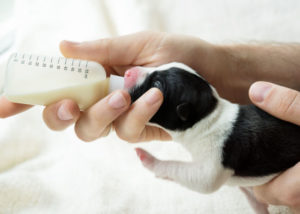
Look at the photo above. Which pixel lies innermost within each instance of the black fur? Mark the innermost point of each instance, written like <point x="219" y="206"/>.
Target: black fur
<point x="261" y="144"/>
<point x="187" y="98"/>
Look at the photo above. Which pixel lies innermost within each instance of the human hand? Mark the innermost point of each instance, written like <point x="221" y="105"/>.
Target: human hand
<point x="283" y="103"/>
<point x="117" y="55"/>
<point x="8" y="108"/>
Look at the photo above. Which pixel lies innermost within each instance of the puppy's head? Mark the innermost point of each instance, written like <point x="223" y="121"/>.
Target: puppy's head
<point x="188" y="98"/>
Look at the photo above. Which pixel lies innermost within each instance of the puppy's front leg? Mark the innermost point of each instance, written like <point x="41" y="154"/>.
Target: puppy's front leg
<point x="201" y="177"/>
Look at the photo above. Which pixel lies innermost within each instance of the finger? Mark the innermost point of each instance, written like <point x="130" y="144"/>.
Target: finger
<point x="283" y="190"/>
<point x="60" y="115"/>
<point x="8" y="108"/>
<point x="255" y="204"/>
<point x="118" y="51"/>
<point x="95" y="122"/>
<point x="131" y="126"/>
<point x="279" y="101"/>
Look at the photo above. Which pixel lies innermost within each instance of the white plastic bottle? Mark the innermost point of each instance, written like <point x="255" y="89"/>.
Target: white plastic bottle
<point x="42" y="80"/>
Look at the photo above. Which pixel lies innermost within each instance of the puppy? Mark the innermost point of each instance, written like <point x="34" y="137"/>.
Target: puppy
<point x="229" y="143"/>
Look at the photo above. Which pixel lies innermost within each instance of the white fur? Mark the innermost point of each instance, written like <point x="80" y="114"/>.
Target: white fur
<point x="175" y="65"/>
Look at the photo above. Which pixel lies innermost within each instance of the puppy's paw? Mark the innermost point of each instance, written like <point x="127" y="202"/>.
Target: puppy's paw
<point x="158" y="167"/>
<point x="147" y="159"/>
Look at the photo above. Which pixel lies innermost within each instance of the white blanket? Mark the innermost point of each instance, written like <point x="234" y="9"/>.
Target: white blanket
<point x="53" y="172"/>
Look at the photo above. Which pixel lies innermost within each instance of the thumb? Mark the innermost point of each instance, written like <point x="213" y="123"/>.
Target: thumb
<point x="92" y="50"/>
<point x="279" y="101"/>
<point x="116" y="51"/>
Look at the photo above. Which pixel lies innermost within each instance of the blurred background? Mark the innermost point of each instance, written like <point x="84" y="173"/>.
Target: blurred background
<point x="42" y="171"/>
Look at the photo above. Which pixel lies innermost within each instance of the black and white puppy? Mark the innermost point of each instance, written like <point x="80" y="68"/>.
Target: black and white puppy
<point x="229" y="143"/>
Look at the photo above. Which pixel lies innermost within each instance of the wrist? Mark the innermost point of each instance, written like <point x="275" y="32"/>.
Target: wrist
<point x="276" y="63"/>
<point x="230" y="77"/>
<point x="210" y="61"/>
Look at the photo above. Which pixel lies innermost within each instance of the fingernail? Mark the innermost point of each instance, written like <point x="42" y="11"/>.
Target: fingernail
<point x="152" y="96"/>
<point x="117" y="101"/>
<point x="64" y="114"/>
<point x="259" y="91"/>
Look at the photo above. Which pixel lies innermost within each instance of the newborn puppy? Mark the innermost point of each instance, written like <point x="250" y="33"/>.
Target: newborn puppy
<point x="229" y="143"/>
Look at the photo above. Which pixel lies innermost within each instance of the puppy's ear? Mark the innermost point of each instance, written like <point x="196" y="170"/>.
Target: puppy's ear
<point x="183" y="111"/>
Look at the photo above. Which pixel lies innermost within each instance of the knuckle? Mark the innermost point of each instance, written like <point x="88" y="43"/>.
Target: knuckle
<point x="105" y="132"/>
<point x="82" y="135"/>
<point x="88" y="135"/>
<point x="107" y="45"/>
<point x="289" y="102"/>
<point x="128" y="136"/>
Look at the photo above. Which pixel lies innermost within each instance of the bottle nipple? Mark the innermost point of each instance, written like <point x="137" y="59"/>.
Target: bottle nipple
<point x="115" y="83"/>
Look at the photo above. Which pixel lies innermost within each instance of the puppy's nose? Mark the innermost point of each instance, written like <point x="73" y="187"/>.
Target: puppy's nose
<point x="133" y="76"/>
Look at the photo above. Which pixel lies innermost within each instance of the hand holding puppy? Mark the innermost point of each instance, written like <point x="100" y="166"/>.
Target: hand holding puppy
<point x="283" y="103"/>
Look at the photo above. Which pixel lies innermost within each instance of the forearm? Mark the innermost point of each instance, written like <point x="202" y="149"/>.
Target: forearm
<point x="241" y="65"/>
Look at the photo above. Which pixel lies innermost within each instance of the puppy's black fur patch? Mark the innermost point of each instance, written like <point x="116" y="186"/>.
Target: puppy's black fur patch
<point x="187" y="98"/>
<point x="261" y="144"/>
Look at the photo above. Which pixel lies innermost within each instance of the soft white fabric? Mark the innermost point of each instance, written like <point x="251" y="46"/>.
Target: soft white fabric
<point x="53" y="172"/>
